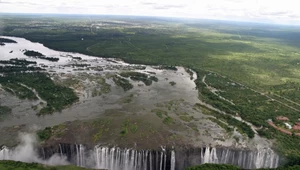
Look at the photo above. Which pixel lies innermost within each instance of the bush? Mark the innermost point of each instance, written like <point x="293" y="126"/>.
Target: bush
<point x="45" y="134"/>
<point x="213" y="167"/>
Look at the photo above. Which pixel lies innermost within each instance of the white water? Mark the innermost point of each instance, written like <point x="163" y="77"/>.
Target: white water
<point x="26" y="152"/>
<point x="173" y="161"/>
<point x="262" y="158"/>
<point x="115" y="158"/>
<point x="130" y="159"/>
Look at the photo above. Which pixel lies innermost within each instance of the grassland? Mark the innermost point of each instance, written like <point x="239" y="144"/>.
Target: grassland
<point x="246" y="70"/>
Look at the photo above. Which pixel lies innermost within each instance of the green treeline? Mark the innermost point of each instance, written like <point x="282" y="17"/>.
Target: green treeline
<point x="16" y="61"/>
<point x="8" y="69"/>
<point x="16" y="165"/>
<point x="124" y="83"/>
<point x="5" y="40"/>
<point x="213" y="167"/>
<point x="232" y="167"/>
<point x="56" y="96"/>
<point x="39" y="55"/>
<point x="31" y="53"/>
<point x="136" y="76"/>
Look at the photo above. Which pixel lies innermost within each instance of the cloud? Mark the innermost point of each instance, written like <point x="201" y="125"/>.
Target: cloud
<point x="18" y="2"/>
<point x="162" y="5"/>
<point x="148" y="3"/>
<point x="5" y="2"/>
<point x="167" y="6"/>
<point x="247" y="10"/>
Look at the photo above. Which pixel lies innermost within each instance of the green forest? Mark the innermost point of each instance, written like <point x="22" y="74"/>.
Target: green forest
<point x="56" y="96"/>
<point x="253" y="67"/>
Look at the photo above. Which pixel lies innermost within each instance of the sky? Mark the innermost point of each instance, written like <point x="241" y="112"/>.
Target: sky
<point x="271" y="11"/>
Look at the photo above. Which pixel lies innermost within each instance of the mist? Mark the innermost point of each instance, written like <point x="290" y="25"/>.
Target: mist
<point x="27" y="151"/>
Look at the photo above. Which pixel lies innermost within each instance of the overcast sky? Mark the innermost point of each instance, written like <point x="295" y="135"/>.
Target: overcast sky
<point x="276" y="11"/>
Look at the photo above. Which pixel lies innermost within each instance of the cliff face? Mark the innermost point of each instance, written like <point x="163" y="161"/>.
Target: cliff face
<point x="164" y="158"/>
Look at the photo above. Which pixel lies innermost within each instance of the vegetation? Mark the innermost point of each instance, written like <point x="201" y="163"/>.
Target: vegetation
<point x="128" y="126"/>
<point x="232" y="167"/>
<point x="16" y="61"/>
<point x="39" y="55"/>
<point x="213" y="167"/>
<point x="160" y="113"/>
<point x="153" y="78"/>
<point x="80" y="65"/>
<point x="124" y="83"/>
<point x="9" y="69"/>
<point x="128" y="99"/>
<point x="137" y="76"/>
<point x="241" y="126"/>
<point x="186" y="118"/>
<point x="56" y="96"/>
<point x="166" y="67"/>
<point x="19" y="90"/>
<point x="190" y="72"/>
<point x="15" y="165"/>
<point x="254" y="68"/>
<point x="45" y="134"/>
<point x="172" y="83"/>
<point x="18" y="65"/>
<point x="222" y="125"/>
<point x="31" y="53"/>
<point x="168" y="120"/>
<point x="5" y="40"/>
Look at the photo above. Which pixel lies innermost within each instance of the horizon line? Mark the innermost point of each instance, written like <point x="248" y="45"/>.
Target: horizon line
<point x="154" y="16"/>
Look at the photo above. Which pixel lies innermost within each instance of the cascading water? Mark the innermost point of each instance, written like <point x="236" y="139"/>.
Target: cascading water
<point x="130" y="159"/>
<point x="246" y="159"/>
<point x="114" y="158"/>
<point x="4" y="153"/>
<point x="60" y="149"/>
<point x="173" y="160"/>
<point x="80" y="155"/>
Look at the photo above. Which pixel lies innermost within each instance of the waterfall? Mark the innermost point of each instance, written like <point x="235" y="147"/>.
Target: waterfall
<point x="173" y="160"/>
<point x="61" y="152"/>
<point x="80" y="157"/>
<point x="206" y="156"/>
<point x="246" y="159"/>
<point x="130" y="159"/>
<point x="115" y="158"/>
<point x="4" y="153"/>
